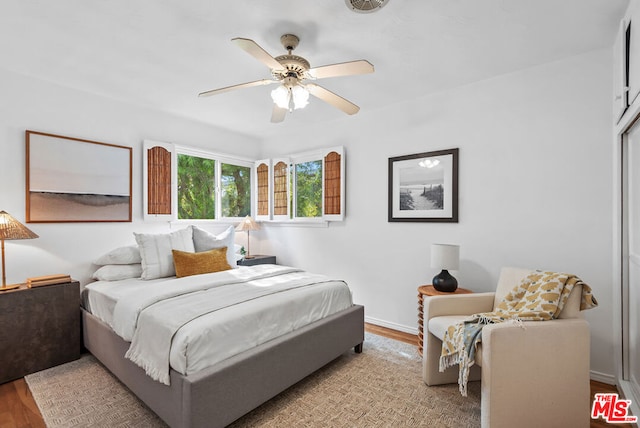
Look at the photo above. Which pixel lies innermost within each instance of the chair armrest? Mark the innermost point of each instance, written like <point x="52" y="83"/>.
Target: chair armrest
<point x="457" y="304"/>
<point x="543" y="338"/>
<point x="547" y="359"/>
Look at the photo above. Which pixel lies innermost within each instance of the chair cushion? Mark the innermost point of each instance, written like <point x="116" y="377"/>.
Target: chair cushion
<point x="439" y="325"/>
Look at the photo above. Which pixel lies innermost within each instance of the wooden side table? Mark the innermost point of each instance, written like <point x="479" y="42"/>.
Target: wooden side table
<point x="428" y="290"/>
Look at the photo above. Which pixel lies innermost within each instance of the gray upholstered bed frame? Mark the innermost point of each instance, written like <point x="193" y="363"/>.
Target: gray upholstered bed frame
<point x="222" y="393"/>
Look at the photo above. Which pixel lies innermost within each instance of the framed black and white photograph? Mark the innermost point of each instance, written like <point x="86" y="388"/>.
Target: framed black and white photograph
<point x="423" y="187"/>
<point x="74" y="180"/>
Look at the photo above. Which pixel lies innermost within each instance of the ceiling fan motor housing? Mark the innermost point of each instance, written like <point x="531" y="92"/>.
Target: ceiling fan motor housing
<point x="293" y="65"/>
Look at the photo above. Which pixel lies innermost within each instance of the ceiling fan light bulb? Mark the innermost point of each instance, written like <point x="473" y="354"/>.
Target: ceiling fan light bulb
<point x="280" y="97"/>
<point x="300" y="97"/>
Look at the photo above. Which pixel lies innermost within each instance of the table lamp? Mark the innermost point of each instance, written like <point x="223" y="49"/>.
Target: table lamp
<point x="248" y="224"/>
<point x="445" y="257"/>
<point x="10" y="229"/>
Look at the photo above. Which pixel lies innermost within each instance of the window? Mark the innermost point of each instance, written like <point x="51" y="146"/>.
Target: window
<point x="196" y="188"/>
<point x="236" y="190"/>
<point x="203" y="185"/>
<point x="181" y="183"/>
<point x="306" y="187"/>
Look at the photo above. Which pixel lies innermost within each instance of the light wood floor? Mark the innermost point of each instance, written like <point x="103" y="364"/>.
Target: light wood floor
<point x="19" y="410"/>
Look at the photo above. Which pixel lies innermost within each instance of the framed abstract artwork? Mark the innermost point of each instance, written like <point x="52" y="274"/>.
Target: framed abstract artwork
<point x="423" y="187"/>
<point x="75" y="180"/>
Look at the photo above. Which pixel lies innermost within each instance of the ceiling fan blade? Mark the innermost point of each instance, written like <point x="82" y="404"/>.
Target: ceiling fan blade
<point x="278" y="114"/>
<point x="253" y="49"/>
<point x="329" y="97"/>
<point x="342" y="69"/>
<point x="234" y="87"/>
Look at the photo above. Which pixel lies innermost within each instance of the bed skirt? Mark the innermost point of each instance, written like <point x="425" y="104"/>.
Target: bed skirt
<point x="222" y="393"/>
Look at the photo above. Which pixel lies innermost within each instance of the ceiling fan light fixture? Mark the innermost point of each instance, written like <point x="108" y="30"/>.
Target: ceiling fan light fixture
<point x="291" y="98"/>
<point x="365" y="6"/>
<point x="280" y="96"/>
<point x="300" y="96"/>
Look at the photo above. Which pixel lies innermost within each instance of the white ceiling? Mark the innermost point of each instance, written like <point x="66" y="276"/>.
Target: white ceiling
<point x="162" y="53"/>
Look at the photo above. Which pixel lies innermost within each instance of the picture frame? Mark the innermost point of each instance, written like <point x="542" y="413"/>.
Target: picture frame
<point x="75" y="180"/>
<point x="423" y="187"/>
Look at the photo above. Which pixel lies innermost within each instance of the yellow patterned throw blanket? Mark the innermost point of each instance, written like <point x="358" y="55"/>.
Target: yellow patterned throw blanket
<point x="540" y="296"/>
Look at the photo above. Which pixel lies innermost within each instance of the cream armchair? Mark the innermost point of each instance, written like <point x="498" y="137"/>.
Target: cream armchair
<point x="537" y="376"/>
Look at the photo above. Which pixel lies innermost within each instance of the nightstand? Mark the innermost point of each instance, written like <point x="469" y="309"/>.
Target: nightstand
<point x="258" y="260"/>
<point x="428" y="290"/>
<point x="39" y="328"/>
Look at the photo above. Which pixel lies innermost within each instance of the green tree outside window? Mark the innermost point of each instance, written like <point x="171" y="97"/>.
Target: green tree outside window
<point x="236" y="190"/>
<point x="308" y="176"/>
<point x="196" y="187"/>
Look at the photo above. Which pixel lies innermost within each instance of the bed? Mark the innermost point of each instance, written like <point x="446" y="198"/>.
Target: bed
<point x="284" y="325"/>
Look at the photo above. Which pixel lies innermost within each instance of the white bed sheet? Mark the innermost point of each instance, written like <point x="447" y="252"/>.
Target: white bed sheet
<point x="219" y="335"/>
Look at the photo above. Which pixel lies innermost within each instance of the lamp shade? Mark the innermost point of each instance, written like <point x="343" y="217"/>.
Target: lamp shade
<point x="445" y="256"/>
<point x="247" y="224"/>
<point x="11" y="229"/>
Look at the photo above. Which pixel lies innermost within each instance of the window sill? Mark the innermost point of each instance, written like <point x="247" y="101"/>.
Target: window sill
<point x="295" y="223"/>
<point x="225" y="221"/>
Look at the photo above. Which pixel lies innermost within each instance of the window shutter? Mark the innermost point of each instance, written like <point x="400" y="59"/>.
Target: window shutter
<point x="263" y="190"/>
<point x="280" y="188"/>
<point x="333" y="185"/>
<point x="157" y="187"/>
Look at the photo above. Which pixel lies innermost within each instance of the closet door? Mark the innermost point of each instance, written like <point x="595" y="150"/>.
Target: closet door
<point x="631" y="294"/>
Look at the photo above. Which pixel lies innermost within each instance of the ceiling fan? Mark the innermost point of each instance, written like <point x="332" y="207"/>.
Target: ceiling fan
<point x="293" y="72"/>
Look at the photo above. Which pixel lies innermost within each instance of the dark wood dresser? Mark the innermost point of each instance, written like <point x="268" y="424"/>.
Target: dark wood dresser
<point x="39" y="328"/>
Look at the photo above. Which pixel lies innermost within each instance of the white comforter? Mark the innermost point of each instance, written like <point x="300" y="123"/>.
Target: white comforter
<point x="193" y="322"/>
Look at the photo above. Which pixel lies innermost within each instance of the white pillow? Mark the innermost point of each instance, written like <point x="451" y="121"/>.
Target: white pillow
<point x="120" y="256"/>
<point x="205" y="241"/>
<point x="118" y="272"/>
<point x="155" y="250"/>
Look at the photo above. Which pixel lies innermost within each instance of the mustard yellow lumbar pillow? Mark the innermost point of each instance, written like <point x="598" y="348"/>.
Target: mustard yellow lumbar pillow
<point x="188" y="264"/>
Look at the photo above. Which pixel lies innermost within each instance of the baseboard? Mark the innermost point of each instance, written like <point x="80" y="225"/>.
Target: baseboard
<point x="626" y="390"/>
<point x="393" y="326"/>
<point x="602" y="377"/>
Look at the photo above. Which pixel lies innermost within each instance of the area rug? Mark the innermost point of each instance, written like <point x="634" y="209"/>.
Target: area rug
<point x="382" y="387"/>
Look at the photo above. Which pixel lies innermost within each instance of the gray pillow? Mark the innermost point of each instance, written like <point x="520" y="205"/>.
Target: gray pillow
<point x="205" y="241"/>
<point x="155" y="250"/>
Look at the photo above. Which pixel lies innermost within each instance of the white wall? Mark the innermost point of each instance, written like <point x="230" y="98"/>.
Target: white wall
<point x="40" y="106"/>
<point x="535" y="191"/>
<point x="535" y="185"/>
